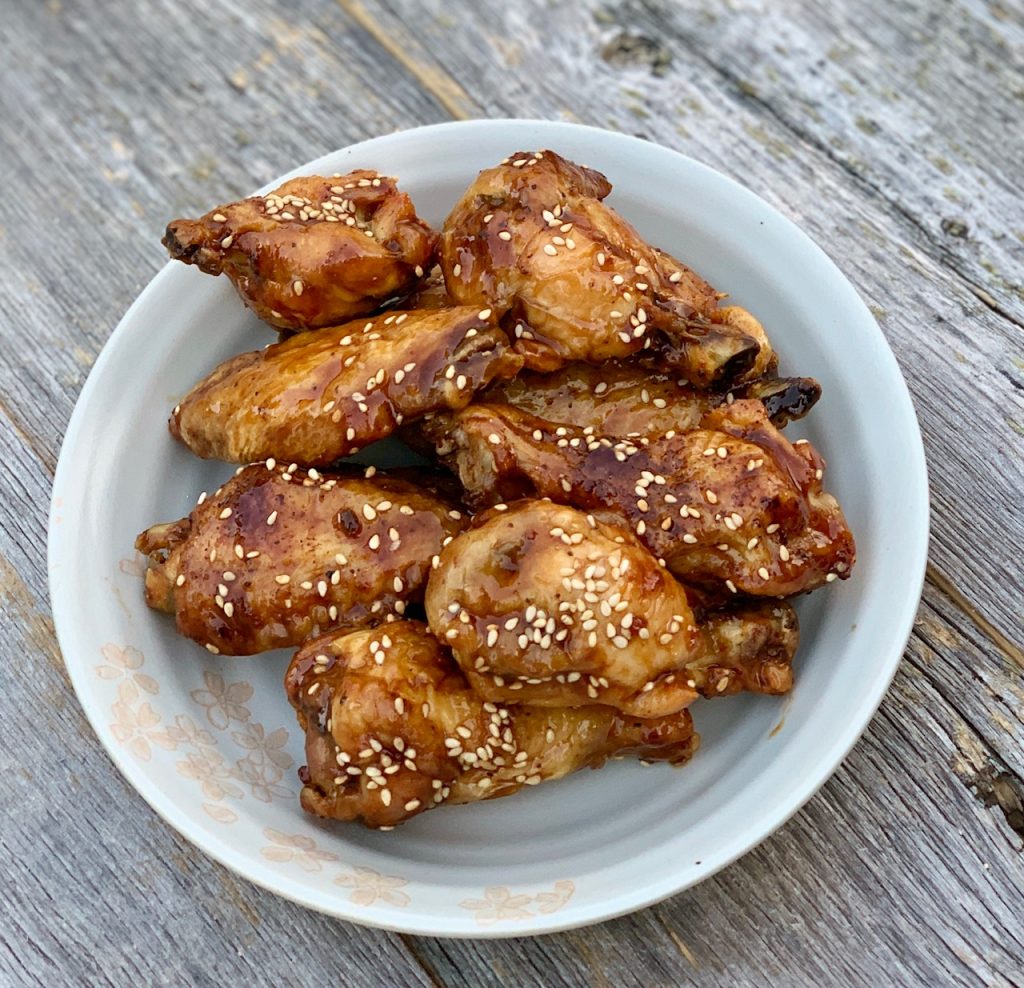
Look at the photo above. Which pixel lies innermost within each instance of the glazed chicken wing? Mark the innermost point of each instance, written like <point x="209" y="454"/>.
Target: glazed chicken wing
<point x="532" y="239"/>
<point x="625" y="398"/>
<point x="393" y="729"/>
<point x="314" y="252"/>
<point x="278" y="553"/>
<point x="544" y="605"/>
<point x="732" y="503"/>
<point x="318" y="397"/>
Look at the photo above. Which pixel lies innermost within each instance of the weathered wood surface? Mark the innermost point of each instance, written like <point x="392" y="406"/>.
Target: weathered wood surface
<point x="893" y="133"/>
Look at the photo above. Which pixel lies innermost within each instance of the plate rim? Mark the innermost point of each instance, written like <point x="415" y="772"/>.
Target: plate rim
<point x="626" y="901"/>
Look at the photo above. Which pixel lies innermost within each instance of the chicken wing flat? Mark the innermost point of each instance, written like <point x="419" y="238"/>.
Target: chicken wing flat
<point x="393" y="729"/>
<point x="731" y="505"/>
<point x="314" y="252"/>
<point x="532" y="239"/>
<point x="542" y="604"/>
<point x="318" y="397"/>
<point x="279" y="554"/>
<point x="626" y="398"/>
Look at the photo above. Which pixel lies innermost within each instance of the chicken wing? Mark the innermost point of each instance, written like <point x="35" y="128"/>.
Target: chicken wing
<point x="278" y="554"/>
<point x="532" y="239"/>
<point x="393" y="729"/>
<point x="626" y="398"/>
<point x="731" y="504"/>
<point x="544" y="605"/>
<point x="314" y="252"/>
<point x="318" y="397"/>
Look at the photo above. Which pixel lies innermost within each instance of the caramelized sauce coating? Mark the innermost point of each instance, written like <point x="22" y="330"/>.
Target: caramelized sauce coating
<point x="318" y="397"/>
<point x="544" y="605"/>
<point x="393" y="729"/>
<point x="314" y="252"/>
<point x="279" y="554"/>
<point x="533" y="239"/>
<point x="629" y="399"/>
<point x="732" y="505"/>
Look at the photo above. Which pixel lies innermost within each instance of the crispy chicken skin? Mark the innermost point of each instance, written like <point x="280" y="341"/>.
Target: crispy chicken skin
<point x="318" y="397"/>
<point x="314" y="252"/>
<point x="732" y="505"/>
<point x="626" y="398"/>
<point x="279" y="554"/>
<point x="575" y="281"/>
<point x="393" y="729"/>
<point x="544" y="605"/>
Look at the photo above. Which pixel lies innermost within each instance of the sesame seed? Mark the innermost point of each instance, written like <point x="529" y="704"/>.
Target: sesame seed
<point x="297" y="287"/>
<point x="412" y="805"/>
<point x="272" y="517"/>
<point x="226" y="513"/>
<point x="783" y="553"/>
<point x="763" y="573"/>
<point x="505" y="235"/>
<point x="711" y="496"/>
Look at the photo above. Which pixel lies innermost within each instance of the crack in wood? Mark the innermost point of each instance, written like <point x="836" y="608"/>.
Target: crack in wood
<point x="1002" y="642"/>
<point x="442" y="86"/>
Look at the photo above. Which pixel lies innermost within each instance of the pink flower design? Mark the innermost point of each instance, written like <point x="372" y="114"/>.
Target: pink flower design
<point x="550" y="902"/>
<point x="368" y="886"/>
<point x="185" y="731"/>
<point x="134" y="726"/>
<point x="265" y="747"/>
<point x="263" y="779"/>
<point x="220" y="813"/>
<point x="222" y="702"/>
<point x="123" y="663"/>
<point x="295" y="847"/>
<point x="210" y="770"/>
<point x="498" y="904"/>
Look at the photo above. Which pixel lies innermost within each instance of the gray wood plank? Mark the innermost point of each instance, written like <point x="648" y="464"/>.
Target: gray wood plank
<point x="870" y="127"/>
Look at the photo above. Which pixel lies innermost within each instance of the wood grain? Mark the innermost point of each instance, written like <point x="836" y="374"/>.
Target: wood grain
<point x="891" y="133"/>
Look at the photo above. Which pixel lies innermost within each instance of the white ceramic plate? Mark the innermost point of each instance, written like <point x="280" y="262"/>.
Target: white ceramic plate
<point x="212" y="744"/>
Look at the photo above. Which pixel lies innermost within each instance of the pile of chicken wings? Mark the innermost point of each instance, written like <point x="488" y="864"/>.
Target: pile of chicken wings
<point x="610" y="527"/>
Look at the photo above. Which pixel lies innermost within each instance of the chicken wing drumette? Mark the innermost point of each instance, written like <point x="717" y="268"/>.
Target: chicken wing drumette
<point x="393" y="729"/>
<point x="544" y="605"/>
<point x="732" y="505"/>
<point x="318" y="397"/>
<point x="626" y="398"/>
<point x="314" y="252"/>
<point x="532" y="239"/>
<point x="278" y="554"/>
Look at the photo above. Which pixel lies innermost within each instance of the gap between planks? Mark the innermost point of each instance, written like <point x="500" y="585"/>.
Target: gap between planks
<point x="433" y="79"/>
<point x="1002" y="642"/>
